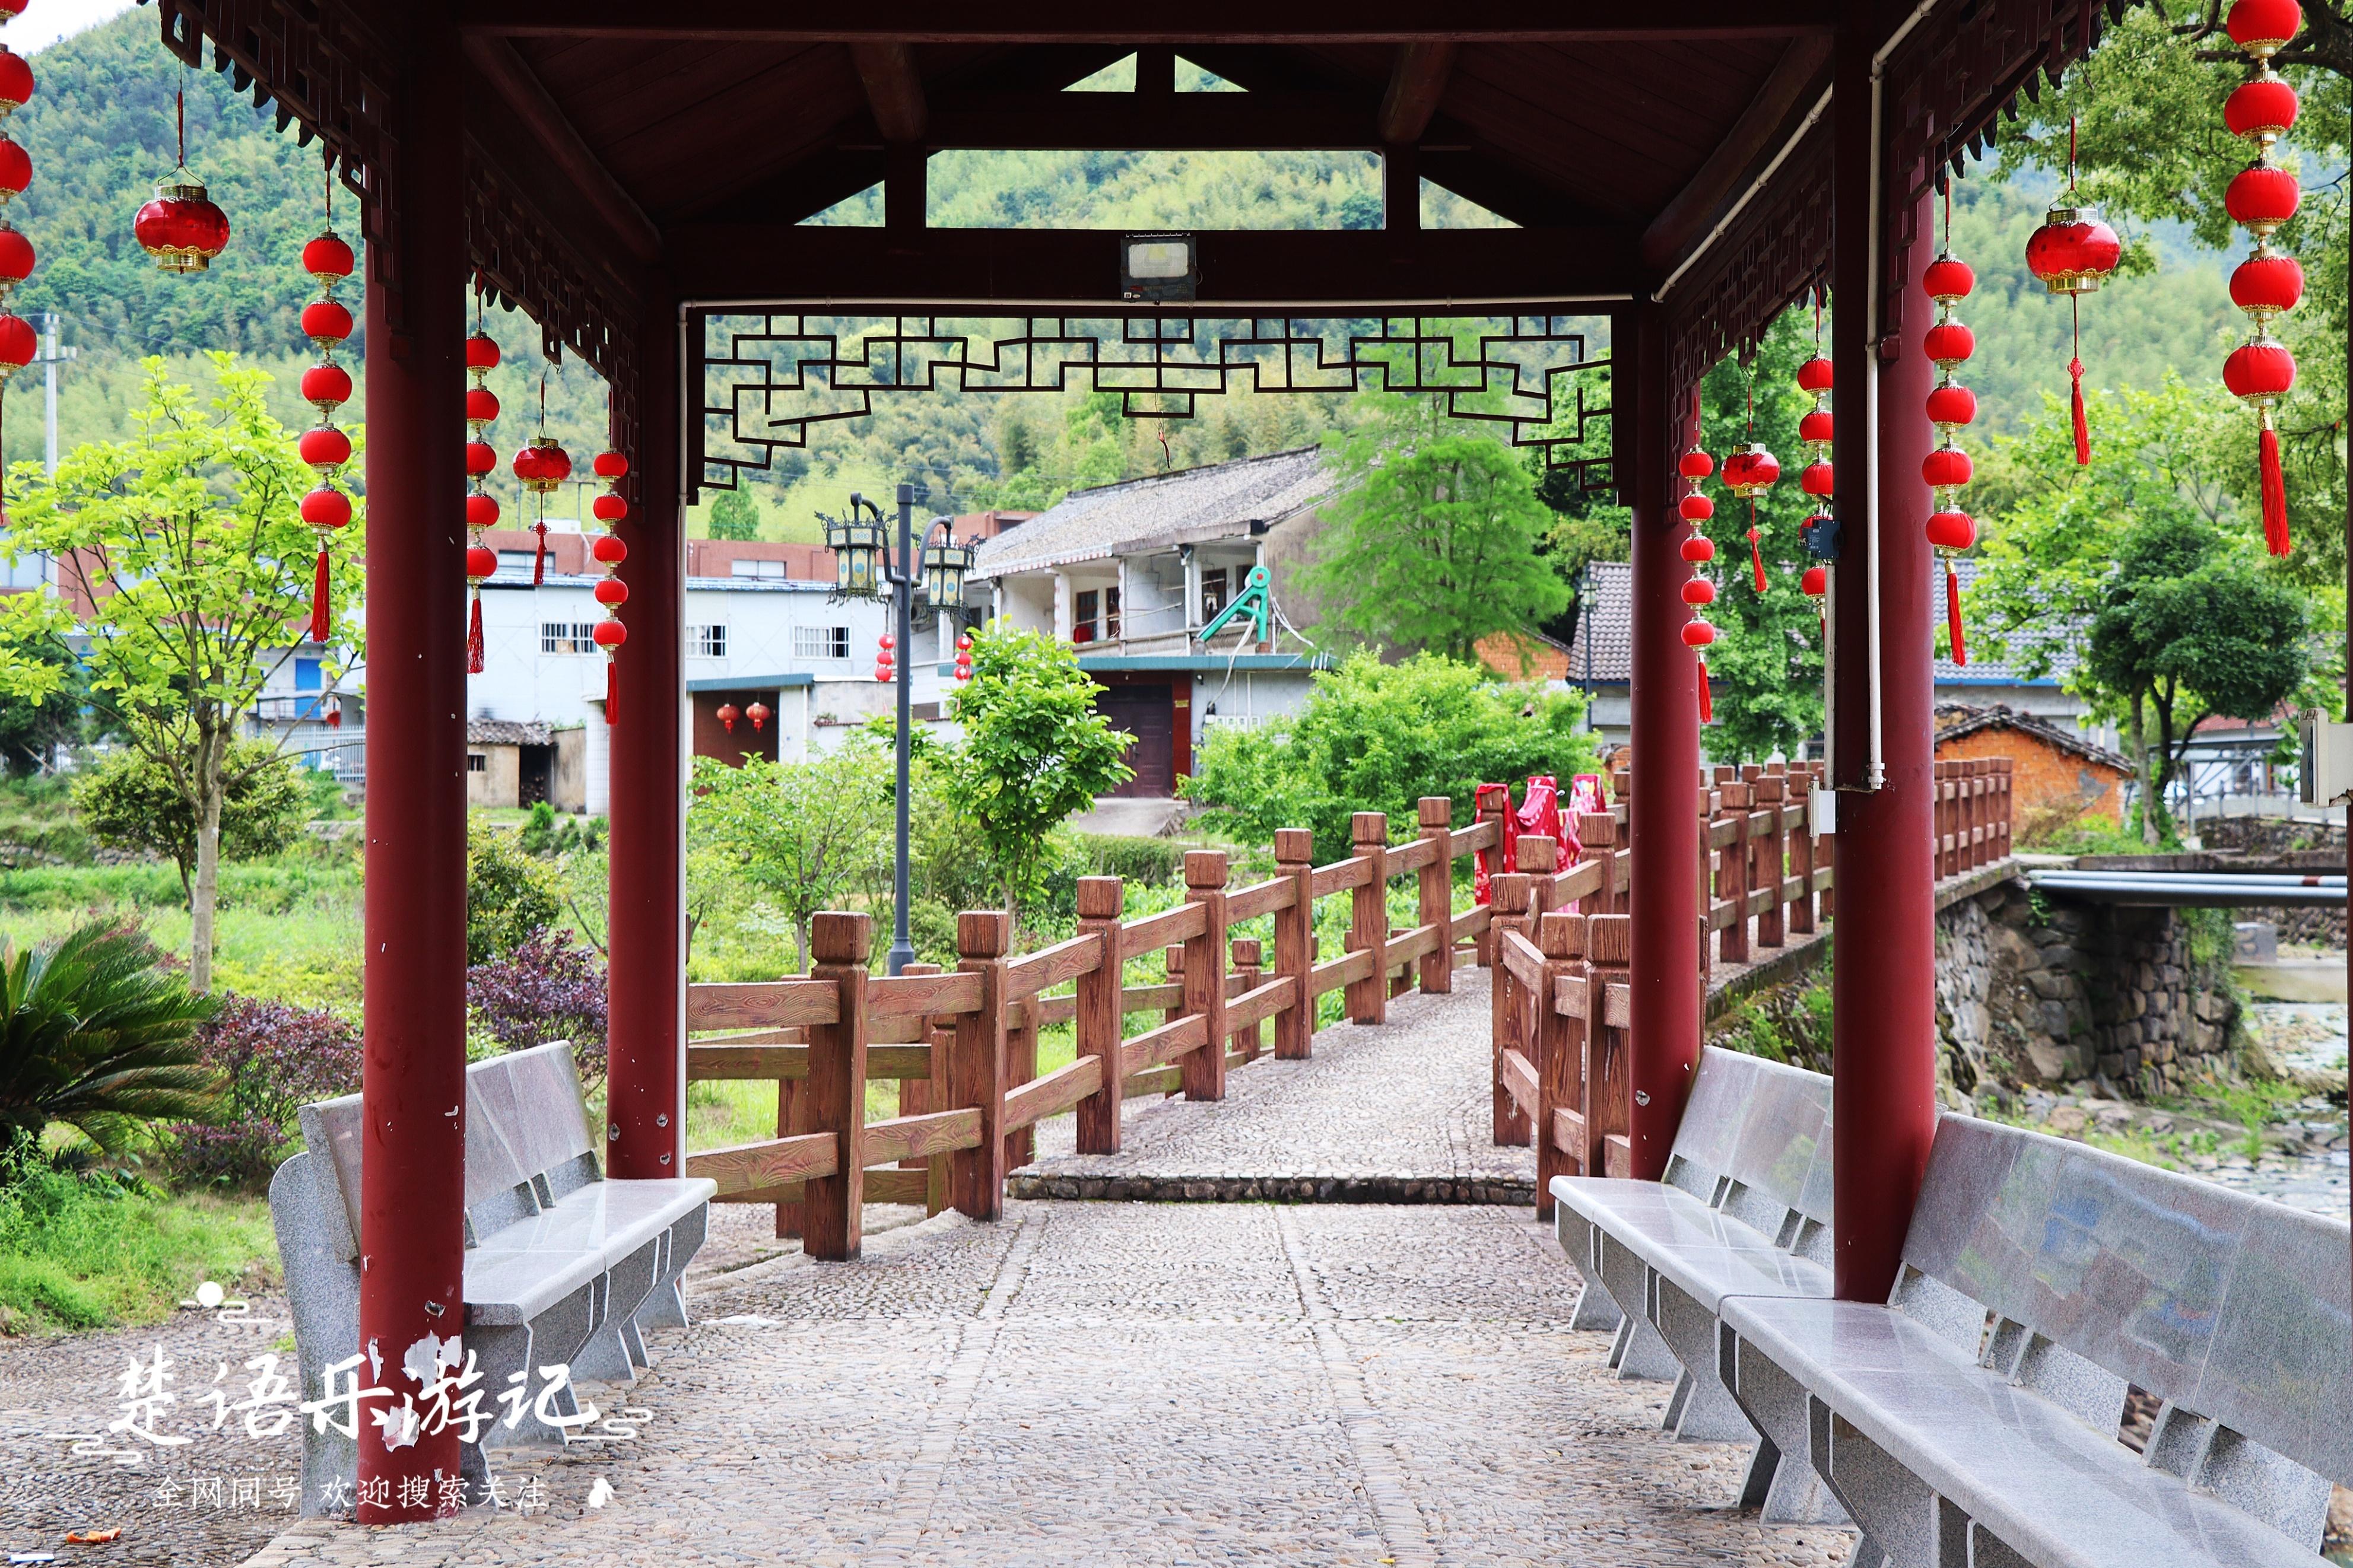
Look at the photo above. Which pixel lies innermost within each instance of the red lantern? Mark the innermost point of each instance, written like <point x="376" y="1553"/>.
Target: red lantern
<point x="1815" y="427"/>
<point x="610" y="551"/>
<point x="1814" y="375"/>
<point x="2266" y="285"/>
<point x="1695" y="508"/>
<point x="181" y="227"/>
<point x="1952" y="531"/>
<point x="482" y="406"/>
<point x="614" y="466"/>
<point x="758" y="713"/>
<point x="611" y="633"/>
<point x="1698" y="634"/>
<point x="2264" y="27"/>
<point x="327" y="258"/>
<point x="612" y="593"/>
<point x="2074" y="252"/>
<point x="1699" y="591"/>
<point x="1699" y="551"/>
<point x="481" y="459"/>
<point x="481" y="564"/>
<point x="481" y="510"/>
<point x="15" y="82"/>
<point x="1949" y="406"/>
<point x="609" y="508"/>
<point x="15" y="169"/>
<point x="1948" y="280"/>
<point x="2261" y="198"/>
<point x="728" y="714"/>
<point x="1751" y="471"/>
<point x="325" y="447"/>
<point x="16" y="259"/>
<point x="1946" y="468"/>
<point x="327" y="508"/>
<point x="326" y="387"/>
<point x="1815" y="479"/>
<point x="1949" y="343"/>
<point x="1815" y="582"/>
<point x="2262" y="111"/>
<point x="481" y="353"/>
<point x="325" y="322"/>
<point x="19" y="344"/>
<point x="1696" y="464"/>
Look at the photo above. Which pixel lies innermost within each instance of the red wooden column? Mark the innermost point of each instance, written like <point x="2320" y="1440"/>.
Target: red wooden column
<point x="412" y="1190"/>
<point x="1664" y="832"/>
<point x="1883" y="984"/>
<point x="647" y="984"/>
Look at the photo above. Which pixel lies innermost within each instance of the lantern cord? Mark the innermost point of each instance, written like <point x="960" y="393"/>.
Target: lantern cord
<point x="2274" y="484"/>
<point x="319" y="628"/>
<point x="1707" y="705"/>
<point x="180" y="115"/>
<point x="1755" y="554"/>
<point x="2076" y="386"/>
<point x="474" y="638"/>
<point x="1953" y="613"/>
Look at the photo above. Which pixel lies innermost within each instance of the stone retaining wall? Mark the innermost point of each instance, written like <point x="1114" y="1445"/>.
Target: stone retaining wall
<point x="2068" y="993"/>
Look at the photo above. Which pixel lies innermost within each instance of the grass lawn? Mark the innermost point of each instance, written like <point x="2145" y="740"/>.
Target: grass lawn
<point x="84" y="1254"/>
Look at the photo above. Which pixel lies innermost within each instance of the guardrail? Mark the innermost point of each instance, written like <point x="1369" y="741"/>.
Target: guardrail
<point x="963" y="1045"/>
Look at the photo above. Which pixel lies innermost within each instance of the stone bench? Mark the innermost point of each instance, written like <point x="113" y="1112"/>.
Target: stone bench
<point x="562" y="1267"/>
<point x="1745" y="1210"/>
<point x="1973" y="1420"/>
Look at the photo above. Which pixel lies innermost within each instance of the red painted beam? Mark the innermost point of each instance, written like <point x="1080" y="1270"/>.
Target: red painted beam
<point x="726" y="263"/>
<point x="1206" y="22"/>
<point x="413" y="1082"/>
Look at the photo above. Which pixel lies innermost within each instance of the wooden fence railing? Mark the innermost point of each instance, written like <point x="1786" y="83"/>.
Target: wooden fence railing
<point x="1562" y="1007"/>
<point x="962" y="1045"/>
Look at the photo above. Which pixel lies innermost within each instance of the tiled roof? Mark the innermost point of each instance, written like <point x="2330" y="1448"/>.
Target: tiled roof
<point x="2064" y="638"/>
<point x="1160" y="512"/>
<point x="1605" y="625"/>
<point x="1955" y="720"/>
<point x="509" y="732"/>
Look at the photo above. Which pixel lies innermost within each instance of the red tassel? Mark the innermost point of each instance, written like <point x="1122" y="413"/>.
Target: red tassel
<point x="319" y="596"/>
<point x="2274" y="491"/>
<point x="474" y="638"/>
<point x="1706" y="702"/>
<point x="1953" y="614"/>
<point x="612" y="691"/>
<point x="539" y="557"/>
<point x="2082" y="429"/>
<point x="1756" y="556"/>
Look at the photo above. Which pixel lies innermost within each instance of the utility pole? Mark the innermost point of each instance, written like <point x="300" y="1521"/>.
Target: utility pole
<point x="51" y="357"/>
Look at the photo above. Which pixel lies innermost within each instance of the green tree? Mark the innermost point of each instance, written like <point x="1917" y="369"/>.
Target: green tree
<point x="510" y="896"/>
<point x="734" y="515"/>
<point x="1764" y="667"/>
<point x="187" y="568"/>
<point x="2191" y="629"/>
<point x="33" y="730"/>
<point x="798" y="835"/>
<point x="1034" y="751"/>
<point x="1432" y="540"/>
<point x="98" y="1032"/>
<point x="130" y="802"/>
<point x="1378" y="736"/>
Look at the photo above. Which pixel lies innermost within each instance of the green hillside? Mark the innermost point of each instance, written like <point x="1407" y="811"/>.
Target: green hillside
<point x="101" y="133"/>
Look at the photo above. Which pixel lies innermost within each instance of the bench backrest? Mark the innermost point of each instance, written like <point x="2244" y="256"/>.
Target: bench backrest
<point x="2234" y="1310"/>
<point x="1755" y="1141"/>
<point x="527" y="1139"/>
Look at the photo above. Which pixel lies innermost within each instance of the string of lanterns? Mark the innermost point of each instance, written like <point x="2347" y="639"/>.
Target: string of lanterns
<point x="1699" y="591"/>
<point x="19" y="342"/>
<point x="482" y="462"/>
<point x="609" y="552"/>
<point x="2261" y="196"/>
<point x="326" y="386"/>
<point x="1814" y="428"/>
<point x="2074" y="253"/>
<point x="1948" y="280"/>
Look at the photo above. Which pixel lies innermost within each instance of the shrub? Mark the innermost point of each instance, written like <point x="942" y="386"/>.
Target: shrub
<point x="241" y="1155"/>
<point x="508" y="895"/>
<point x="91" y="1249"/>
<point x="545" y="989"/>
<point x="1376" y="737"/>
<point x="130" y="802"/>
<point x="1136" y="860"/>
<point x="273" y="1057"/>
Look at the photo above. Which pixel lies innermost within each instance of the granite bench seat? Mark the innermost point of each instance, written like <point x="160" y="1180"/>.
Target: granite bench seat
<point x="562" y="1267"/>
<point x="1744" y="1210"/>
<point x="1974" y="1418"/>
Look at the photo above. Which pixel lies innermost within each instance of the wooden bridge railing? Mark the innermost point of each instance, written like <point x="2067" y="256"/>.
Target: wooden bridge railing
<point x="962" y="1045"/>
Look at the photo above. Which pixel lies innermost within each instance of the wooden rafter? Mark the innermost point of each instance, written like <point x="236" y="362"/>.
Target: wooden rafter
<point x="507" y="74"/>
<point x="1796" y="80"/>
<point x="894" y="89"/>
<point x="1416" y="85"/>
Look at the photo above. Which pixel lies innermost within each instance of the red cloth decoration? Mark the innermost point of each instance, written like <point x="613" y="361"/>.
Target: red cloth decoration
<point x="1953" y="614"/>
<point x="1706" y="698"/>
<point x="2075" y="410"/>
<point x="2073" y="253"/>
<point x="319" y="620"/>
<point x="474" y="664"/>
<point x="1757" y="556"/>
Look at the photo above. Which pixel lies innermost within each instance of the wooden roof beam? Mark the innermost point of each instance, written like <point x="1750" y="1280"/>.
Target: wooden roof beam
<point x="519" y="88"/>
<point x="1416" y="84"/>
<point x="1203" y="22"/>
<point x="1077" y="270"/>
<point x="1788" y="91"/>
<point x="894" y="89"/>
<point x="1181" y="122"/>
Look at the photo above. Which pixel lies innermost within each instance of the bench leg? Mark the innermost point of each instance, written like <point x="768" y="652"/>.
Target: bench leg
<point x="1702" y="1410"/>
<point x="1594" y="1309"/>
<point x="1639" y="1352"/>
<point x="1776" y="1404"/>
<point x="665" y="1308"/>
<point x="1901" y="1517"/>
<point x="607" y="1357"/>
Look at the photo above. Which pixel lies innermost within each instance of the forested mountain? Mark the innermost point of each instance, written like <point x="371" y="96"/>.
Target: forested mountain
<point x="101" y="133"/>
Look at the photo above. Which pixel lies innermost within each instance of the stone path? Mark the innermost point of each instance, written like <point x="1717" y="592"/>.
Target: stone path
<point x="1398" y="1112"/>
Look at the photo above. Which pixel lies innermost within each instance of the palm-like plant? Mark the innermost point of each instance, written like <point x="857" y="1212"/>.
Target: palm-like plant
<point x="96" y="1033"/>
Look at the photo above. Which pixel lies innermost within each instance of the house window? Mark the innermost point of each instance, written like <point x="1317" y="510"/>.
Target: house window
<point x="706" y="642"/>
<point x="1213" y="592"/>
<point x="517" y="562"/>
<point x="1111" y="613"/>
<point x="478" y="763"/>
<point x="567" y="636"/>
<point x="821" y="642"/>
<point x="756" y="568"/>
<point x="307" y="675"/>
<point x="1082" y="615"/>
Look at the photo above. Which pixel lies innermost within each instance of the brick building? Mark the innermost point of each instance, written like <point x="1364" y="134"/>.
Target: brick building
<point x="2056" y="775"/>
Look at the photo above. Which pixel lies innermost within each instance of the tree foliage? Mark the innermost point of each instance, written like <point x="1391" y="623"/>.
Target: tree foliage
<point x="1035" y="751"/>
<point x="1431" y="542"/>
<point x="734" y="515"/>
<point x="510" y="897"/>
<point x="1378" y="736"/>
<point x="801" y="837"/>
<point x="128" y="802"/>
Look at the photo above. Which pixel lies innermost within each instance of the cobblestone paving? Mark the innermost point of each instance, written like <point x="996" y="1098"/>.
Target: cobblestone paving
<point x="1093" y="1384"/>
<point x="1397" y="1112"/>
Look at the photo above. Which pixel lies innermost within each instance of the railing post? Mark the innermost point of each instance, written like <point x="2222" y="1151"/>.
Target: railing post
<point x="1493" y="806"/>
<point x="1508" y="897"/>
<point x="915" y="1097"/>
<point x="1437" y="887"/>
<point x="1798" y="839"/>
<point x="1597" y="837"/>
<point x="1732" y="872"/>
<point x="1100" y="1022"/>
<point x="1770" y="932"/>
<point x="975" y="1076"/>
<point x="1368" y="925"/>
<point x="1294" y="944"/>
<point x="2003" y="819"/>
<point x="1249" y="955"/>
<point x="1540" y="857"/>
<point x="1020" y="1067"/>
<point x="1707" y="894"/>
<point x="1560" y="1050"/>
<point x="1608" y="1087"/>
<point x="832" y="1205"/>
<point x="789" y="1121"/>
<point x="1204" y="973"/>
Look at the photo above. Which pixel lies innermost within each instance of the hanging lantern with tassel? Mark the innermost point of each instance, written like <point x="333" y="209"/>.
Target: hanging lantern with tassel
<point x="1698" y="550"/>
<point x="1748" y="473"/>
<point x="481" y="565"/>
<point x="609" y="553"/>
<point x="2074" y="253"/>
<point x="542" y="466"/>
<point x="325" y="447"/>
<point x="1948" y="280"/>
<point x="2260" y="372"/>
<point x="180" y="227"/>
<point x="19" y="342"/>
<point x="482" y="462"/>
<point x="758" y="713"/>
